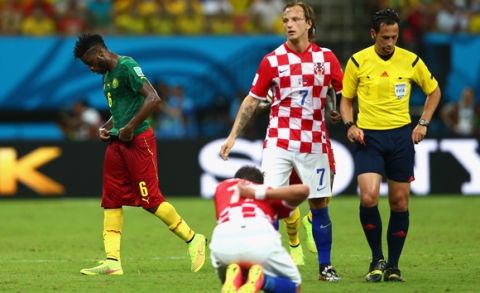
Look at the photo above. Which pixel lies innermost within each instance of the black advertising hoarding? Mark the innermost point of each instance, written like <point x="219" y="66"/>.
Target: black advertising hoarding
<point x="50" y="169"/>
<point x="74" y="169"/>
<point x="194" y="167"/>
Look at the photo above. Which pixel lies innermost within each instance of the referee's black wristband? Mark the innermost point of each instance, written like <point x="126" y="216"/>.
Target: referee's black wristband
<point x="348" y="125"/>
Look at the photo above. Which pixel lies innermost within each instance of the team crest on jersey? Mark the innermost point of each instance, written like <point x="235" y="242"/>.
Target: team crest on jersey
<point x="115" y="83"/>
<point x="319" y="68"/>
<point x="138" y="71"/>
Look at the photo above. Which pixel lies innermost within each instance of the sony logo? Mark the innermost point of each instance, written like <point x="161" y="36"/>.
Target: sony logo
<point x="250" y="152"/>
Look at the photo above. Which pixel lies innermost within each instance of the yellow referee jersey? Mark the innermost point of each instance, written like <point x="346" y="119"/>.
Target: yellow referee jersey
<point x="383" y="87"/>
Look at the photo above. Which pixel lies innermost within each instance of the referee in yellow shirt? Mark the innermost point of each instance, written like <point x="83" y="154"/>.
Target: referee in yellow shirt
<point x="380" y="77"/>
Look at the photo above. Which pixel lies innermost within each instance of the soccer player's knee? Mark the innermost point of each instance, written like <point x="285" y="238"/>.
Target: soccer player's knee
<point x="399" y="204"/>
<point x="318" y="203"/>
<point x="168" y="214"/>
<point x="151" y="209"/>
<point x="113" y="220"/>
<point x="165" y="208"/>
<point x="369" y="198"/>
<point x="368" y="202"/>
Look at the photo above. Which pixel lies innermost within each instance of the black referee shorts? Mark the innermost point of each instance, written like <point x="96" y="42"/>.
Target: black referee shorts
<point x="387" y="152"/>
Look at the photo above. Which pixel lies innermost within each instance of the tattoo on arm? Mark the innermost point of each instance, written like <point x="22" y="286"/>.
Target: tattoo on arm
<point x="245" y="116"/>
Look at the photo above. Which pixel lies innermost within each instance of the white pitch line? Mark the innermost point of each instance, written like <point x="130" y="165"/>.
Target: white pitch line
<point x="174" y="257"/>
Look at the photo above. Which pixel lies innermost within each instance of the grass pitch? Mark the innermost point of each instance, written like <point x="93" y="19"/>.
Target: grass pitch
<point x="45" y="243"/>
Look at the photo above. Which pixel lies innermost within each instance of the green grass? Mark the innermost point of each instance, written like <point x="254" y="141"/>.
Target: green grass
<point x="44" y="244"/>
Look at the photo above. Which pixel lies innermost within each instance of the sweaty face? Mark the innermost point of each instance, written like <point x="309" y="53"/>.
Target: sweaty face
<point x="96" y="61"/>
<point x="294" y="23"/>
<point x="386" y="38"/>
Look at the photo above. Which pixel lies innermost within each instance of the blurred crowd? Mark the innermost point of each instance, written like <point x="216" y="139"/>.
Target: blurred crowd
<point x="191" y="17"/>
<point x="422" y="16"/>
<point x="179" y="116"/>
<point x="462" y="117"/>
<point x="139" y="17"/>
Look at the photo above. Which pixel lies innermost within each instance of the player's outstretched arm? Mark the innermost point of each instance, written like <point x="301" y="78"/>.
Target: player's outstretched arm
<point x="293" y="195"/>
<point x="247" y="108"/>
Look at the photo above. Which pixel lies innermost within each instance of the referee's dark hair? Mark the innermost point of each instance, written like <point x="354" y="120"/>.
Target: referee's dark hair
<point x="309" y="16"/>
<point x="250" y="173"/>
<point x="387" y="16"/>
<point x="87" y="41"/>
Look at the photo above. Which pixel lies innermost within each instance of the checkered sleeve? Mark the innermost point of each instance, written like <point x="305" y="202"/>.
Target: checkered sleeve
<point x="337" y="73"/>
<point x="262" y="81"/>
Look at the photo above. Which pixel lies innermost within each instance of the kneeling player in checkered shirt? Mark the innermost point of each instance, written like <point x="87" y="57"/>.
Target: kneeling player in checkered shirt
<point x="246" y="249"/>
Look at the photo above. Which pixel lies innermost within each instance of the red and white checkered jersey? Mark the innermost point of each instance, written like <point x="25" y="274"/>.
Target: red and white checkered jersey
<point x="230" y="206"/>
<point x="299" y="85"/>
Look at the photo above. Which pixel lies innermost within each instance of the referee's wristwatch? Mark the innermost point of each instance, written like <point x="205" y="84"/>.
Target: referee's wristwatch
<point x="423" y="122"/>
<point x="348" y="125"/>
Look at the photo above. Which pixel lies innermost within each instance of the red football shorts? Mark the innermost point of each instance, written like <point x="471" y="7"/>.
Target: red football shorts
<point x="130" y="173"/>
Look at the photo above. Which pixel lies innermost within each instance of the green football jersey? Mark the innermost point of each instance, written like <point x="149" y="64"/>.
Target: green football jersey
<point x="121" y="86"/>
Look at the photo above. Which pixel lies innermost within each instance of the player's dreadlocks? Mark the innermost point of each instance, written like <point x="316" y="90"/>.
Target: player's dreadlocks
<point x="87" y="41"/>
<point x="250" y="173"/>
<point x="309" y="16"/>
<point x="387" y="16"/>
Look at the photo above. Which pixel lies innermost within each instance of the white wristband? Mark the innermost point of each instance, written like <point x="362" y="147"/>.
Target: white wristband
<point x="260" y="192"/>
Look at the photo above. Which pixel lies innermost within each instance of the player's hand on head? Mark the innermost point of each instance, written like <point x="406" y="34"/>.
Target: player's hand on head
<point x="245" y="189"/>
<point x="104" y="134"/>
<point x="125" y="134"/>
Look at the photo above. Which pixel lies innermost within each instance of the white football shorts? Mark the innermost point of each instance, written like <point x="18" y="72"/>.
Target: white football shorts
<point x="312" y="169"/>
<point x="251" y="241"/>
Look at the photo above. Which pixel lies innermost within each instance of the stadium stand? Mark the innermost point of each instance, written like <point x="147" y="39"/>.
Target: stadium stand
<point x="166" y="37"/>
